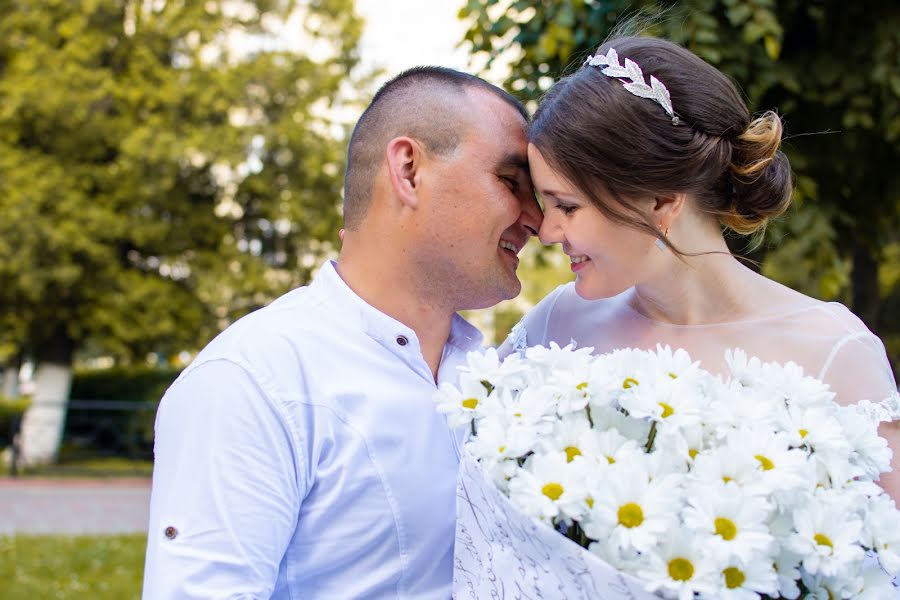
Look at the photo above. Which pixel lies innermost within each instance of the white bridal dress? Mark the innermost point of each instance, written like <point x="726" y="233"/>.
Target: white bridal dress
<point x="500" y="554"/>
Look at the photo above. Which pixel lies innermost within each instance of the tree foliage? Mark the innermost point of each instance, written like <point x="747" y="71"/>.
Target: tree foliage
<point x="165" y="166"/>
<point x="831" y="68"/>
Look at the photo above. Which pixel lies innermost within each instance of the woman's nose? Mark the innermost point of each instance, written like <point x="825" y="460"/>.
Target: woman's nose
<point x="549" y="232"/>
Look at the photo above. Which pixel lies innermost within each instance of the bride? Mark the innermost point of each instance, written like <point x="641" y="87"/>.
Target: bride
<point x="642" y="157"/>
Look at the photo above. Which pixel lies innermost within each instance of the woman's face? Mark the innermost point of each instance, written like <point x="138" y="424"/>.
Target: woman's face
<point x="607" y="257"/>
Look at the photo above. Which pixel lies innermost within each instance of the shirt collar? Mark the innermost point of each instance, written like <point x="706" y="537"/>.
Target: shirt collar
<point x="329" y="285"/>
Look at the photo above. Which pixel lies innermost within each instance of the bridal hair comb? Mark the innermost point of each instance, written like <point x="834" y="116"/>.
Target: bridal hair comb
<point x="637" y="85"/>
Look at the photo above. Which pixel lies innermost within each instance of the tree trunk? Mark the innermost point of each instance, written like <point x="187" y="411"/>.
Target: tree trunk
<point x="864" y="279"/>
<point x="42" y="424"/>
<point x="11" y="380"/>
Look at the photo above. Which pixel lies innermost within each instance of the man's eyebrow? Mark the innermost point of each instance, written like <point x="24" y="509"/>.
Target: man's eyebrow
<point x="516" y="161"/>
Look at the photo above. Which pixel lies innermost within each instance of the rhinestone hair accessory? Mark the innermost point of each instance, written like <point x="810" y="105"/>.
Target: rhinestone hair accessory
<point x="636" y="83"/>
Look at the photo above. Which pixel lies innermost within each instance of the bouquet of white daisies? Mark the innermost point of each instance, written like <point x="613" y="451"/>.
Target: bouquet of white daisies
<point x="667" y="479"/>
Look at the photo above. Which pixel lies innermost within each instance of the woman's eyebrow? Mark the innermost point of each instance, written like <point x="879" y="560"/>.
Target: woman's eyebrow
<point x="558" y="196"/>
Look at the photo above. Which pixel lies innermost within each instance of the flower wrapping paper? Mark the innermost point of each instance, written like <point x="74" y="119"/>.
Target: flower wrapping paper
<point x="501" y="553"/>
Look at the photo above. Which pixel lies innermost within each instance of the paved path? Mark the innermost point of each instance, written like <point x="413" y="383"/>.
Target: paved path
<point x="74" y="506"/>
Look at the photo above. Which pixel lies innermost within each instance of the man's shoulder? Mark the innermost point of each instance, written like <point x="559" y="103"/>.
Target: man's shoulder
<point x="271" y="341"/>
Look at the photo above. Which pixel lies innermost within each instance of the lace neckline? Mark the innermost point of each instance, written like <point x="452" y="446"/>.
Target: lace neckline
<point x="625" y="296"/>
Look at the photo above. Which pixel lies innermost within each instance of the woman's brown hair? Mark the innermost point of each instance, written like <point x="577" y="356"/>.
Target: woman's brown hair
<point x="616" y="146"/>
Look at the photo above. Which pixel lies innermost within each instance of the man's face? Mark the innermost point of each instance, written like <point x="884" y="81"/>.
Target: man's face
<point x="482" y="208"/>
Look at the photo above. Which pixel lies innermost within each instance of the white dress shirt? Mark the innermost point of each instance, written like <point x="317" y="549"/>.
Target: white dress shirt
<point x="300" y="456"/>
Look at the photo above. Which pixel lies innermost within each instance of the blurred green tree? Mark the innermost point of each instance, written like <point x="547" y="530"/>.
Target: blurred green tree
<point x="165" y="166"/>
<point x="823" y="74"/>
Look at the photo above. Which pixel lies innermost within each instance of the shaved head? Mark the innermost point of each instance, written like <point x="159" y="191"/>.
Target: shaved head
<point x="428" y="104"/>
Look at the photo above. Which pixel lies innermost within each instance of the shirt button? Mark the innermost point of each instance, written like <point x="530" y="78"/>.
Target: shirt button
<point x="401" y="339"/>
<point x="171" y="532"/>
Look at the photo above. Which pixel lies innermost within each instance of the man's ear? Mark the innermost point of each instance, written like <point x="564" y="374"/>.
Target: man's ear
<point x="666" y="209"/>
<point x="404" y="161"/>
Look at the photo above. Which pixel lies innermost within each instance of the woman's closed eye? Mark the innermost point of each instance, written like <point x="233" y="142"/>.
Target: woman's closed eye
<point x="567" y="209"/>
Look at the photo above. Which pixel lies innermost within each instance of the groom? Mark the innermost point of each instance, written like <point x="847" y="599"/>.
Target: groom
<point x="300" y="454"/>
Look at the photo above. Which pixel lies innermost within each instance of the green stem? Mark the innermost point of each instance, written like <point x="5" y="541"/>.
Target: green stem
<point x="588" y="410"/>
<point x="651" y="437"/>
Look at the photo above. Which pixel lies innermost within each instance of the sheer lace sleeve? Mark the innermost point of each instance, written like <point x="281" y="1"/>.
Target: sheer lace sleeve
<point x="859" y="372"/>
<point x="532" y="329"/>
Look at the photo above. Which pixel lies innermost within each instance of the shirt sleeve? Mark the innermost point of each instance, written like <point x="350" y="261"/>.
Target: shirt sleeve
<point x="226" y="488"/>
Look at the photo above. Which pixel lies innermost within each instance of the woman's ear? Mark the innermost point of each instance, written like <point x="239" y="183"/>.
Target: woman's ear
<point x="666" y="209"/>
<point x="404" y="161"/>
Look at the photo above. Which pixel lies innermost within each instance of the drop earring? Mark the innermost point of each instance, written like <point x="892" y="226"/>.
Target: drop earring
<point x="661" y="244"/>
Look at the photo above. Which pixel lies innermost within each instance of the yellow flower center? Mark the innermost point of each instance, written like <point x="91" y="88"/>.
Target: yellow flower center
<point x="589" y="501"/>
<point x="610" y="460"/>
<point x="726" y="479"/>
<point x="767" y="464"/>
<point x="823" y="540"/>
<point x="571" y="453"/>
<point x="502" y="449"/>
<point x="581" y="386"/>
<point x="668" y="411"/>
<point x="693" y="452"/>
<point x="734" y="577"/>
<point x="804" y="433"/>
<point x="673" y="376"/>
<point x="629" y="383"/>
<point x="553" y="491"/>
<point x="630" y="515"/>
<point x="470" y="403"/>
<point x="726" y="528"/>
<point x="519" y="415"/>
<point x="681" y="569"/>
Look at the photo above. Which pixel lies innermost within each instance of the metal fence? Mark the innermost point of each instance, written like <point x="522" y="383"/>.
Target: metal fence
<point x="95" y="431"/>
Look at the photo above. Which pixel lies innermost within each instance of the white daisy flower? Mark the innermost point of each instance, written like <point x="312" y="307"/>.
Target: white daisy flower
<point x="744" y="369"/>
<point x="677" y="364"/>
<point x="613" y="375"/>
<point x="554" y="359"/>
<point x="870" y="451"/>
<point x="827" y="537"/>
<point x="664" y="400"/>
<point x="882" y="527"/>
<point x="680" y="567"/>
<point x="782" y="471"/>
<point x="787" y="381"/>
<point x="485" y="365"/>
<point x="545" y="482"/>
<point x="821" y="587"/>
<point x="735" y="407"/>
<point x="745" y="580"/>
<point x="725" y="465"/>
<point x="633" y="511"/>
<point x="533" y="406"/>
<point x="787" y="571"/>
<point x="685" y="443"/>
<point x="572" y="387"/>
<point x="730" y="521"/>
<point x="628" y="560"/>
<point x="876" y="585"/>
<point x="613" y="448"/>
<point x="816" y="428"/>
<point x="496" y="441"/>
<point x="460" y="404"/>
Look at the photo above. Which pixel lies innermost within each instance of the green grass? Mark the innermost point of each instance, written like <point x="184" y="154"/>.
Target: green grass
<point x="111" y="466"/>
<point x="61" y="567"/>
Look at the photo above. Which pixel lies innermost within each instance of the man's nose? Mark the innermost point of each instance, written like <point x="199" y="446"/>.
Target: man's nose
<point x="532" y="216"/>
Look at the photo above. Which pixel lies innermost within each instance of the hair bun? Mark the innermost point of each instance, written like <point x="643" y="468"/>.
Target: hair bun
<point x="761" y="175"/>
